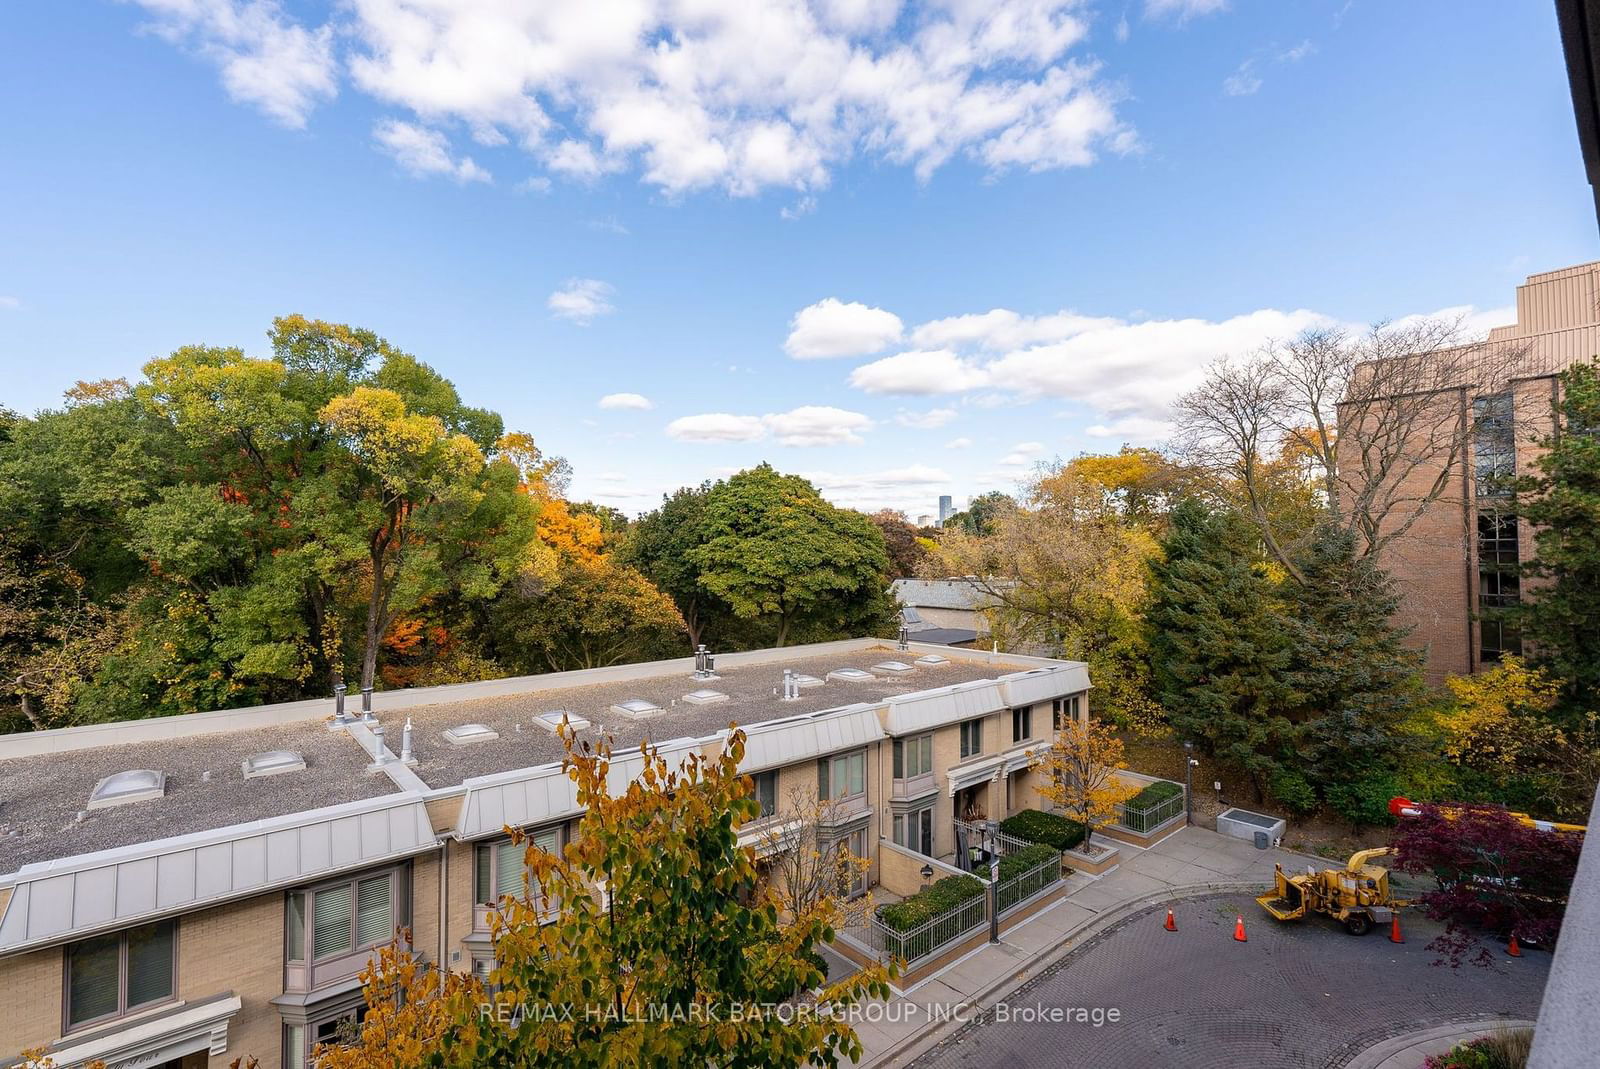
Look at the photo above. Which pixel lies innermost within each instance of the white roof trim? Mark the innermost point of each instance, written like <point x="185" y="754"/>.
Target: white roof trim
<point x="798" y="738"/>
<point x="52" y="901"/>
<point x="770" y="838"/>
<point x="194" y="1028"/>
<point x="1042" y="684"/>
<point x="908" y="713"/>
<point x="980" y="771"/>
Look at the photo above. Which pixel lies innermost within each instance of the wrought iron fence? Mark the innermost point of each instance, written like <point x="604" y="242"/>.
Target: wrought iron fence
<point x="1151" y="816"/>
<point x="1025" y="885"/>
<point x="933" y="934"/>
<point x="976" y="835"/>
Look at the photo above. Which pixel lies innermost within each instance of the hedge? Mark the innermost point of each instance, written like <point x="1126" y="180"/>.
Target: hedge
<point x="1135" y="808"/>
<point x="929" y="902"/>
<point x="1037" y="826"/>
<point x="1014" y="865"/>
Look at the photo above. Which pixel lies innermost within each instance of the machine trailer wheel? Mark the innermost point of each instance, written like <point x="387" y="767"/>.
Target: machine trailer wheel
<point x="1358" y="924"/>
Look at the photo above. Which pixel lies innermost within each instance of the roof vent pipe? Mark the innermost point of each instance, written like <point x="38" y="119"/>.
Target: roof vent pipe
<point x="338" y="704"/>
<point x="380" y="752"/>
<point x="905" y="637"/>
<point x="366" y="704"/>
<point x="705" y="665"/>
<point x="791" y="685"/>
<point x="406" y="756"/>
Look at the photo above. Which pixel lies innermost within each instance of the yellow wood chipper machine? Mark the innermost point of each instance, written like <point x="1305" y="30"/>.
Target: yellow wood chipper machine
<point x="1356" y="896"/>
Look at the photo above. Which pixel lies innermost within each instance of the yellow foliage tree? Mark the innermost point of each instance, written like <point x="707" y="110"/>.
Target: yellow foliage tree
<point x="1077" y="773"/>
<point x="1495" y="721"/>
<point x="410" y="1006"/>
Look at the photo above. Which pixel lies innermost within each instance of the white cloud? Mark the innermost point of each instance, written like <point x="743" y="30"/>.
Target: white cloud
<point x="671" y="91"/>
<point x="1022" y="455"/>
<point x="1000" y="329"/>
<point x="808" y="425"/>
<point x="537" y="184"/>
<point x="581" y="300"/>
<point x="1473" y="323"/>
<point x="423" y="152"/>
<point x="1182" y="9"/>
<point x="919" y="373"/>
<point x="717" y="427"/>
<point x="932" y="419"/>
<point x="266" y="59"/>
<point x="1242" y="82"/>
<point x="818" y="425"/>
<point x="959" y="443"/>
<point x="914" y="488"/>
<point x="832" y="327"/>
<point x="1133" y="430"/>
<point x="10" y="303"/>
<point x="634" y="401"/>
<point x="799" y="209"/>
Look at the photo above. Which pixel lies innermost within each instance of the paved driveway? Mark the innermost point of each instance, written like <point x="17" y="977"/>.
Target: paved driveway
<point x="1293" y="995"/>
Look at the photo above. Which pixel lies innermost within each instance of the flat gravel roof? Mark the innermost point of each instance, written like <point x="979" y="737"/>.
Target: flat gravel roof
<point x="40" y="797"/>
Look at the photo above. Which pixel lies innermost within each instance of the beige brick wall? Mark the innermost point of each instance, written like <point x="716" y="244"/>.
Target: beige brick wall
<point x="30" y="1009"/>
<point x="238" y="948"/>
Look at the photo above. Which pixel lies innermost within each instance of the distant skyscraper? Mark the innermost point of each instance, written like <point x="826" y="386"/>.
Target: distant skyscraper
<point x="946" y="508"/>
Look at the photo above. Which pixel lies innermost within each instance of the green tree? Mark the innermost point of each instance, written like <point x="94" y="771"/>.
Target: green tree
<point x="1358" y="683"/>
<point x="1218" y="648"/>
<point x="900" y="539"/>
<point x="979" y="517"/>
<point x="660" y="543"/>
<point x="597" y="612"/>
<point x="775" y="550"/>
<point x="1562" y="504"/>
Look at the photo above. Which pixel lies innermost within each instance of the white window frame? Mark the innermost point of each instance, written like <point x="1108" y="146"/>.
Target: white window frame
<point x="911" y="823"/>
<point x="853" y="761"/>
<point x="307" y="972"/>
<point x="554" y="838"/>
<point x="913" y="756"/>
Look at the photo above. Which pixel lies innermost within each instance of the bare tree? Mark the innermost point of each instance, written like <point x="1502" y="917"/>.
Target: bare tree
<point x="1382" y="422"/>
<point x="809" y="863"/>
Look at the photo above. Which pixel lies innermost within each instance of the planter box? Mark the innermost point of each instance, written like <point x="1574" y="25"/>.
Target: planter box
<point x="1243" y="824"/>
<point x="1104" y="861"/>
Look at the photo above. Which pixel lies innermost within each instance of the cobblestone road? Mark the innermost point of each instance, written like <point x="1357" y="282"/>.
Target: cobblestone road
<point x="1305" y="995"/>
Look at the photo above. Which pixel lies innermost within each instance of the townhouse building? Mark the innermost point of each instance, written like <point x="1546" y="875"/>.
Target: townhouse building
<point x="185" y="891"/>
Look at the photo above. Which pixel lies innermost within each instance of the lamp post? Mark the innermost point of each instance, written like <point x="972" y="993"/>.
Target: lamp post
<point x="991" y="837"/>
<point x="1189" y="765"/>
<point x="927" y="876"/>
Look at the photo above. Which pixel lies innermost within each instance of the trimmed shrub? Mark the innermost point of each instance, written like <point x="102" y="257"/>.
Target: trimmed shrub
<point x="1037" y="856"/>
<point x="1139" y="811"/>
<point x="1037" y="826"/>
<point x="1292" y="790"/>
<point x="928" y="903"/>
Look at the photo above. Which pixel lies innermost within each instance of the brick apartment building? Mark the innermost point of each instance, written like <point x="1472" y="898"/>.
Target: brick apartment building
<point x="185" y="891"/>
<point x="1454" y="565"/>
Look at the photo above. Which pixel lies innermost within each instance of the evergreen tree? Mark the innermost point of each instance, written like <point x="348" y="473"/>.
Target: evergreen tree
<point x="1356" y="679"/>
<point x="1218" y="646"/>
<point x="1562" y="503"/>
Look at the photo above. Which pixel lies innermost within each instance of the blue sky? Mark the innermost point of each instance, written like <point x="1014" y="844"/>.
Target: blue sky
<point x="768" y="221"/>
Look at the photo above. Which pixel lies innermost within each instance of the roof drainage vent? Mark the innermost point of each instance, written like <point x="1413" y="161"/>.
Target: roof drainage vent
<point x="466" y="734"/>
<point x="554" y="718"/>
<point x="135" y="785"/>
<point x="636" y="707"/>
<point x="272" y="763"/>
<point x="705" y="697"/>
<point x="851" y="675"/>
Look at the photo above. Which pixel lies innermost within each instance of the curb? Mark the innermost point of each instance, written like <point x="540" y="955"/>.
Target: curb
<point x="1407" y="1051"/>
<point x="921" y="1042"/>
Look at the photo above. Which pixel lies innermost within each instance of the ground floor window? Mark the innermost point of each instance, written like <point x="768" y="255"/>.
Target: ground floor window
<point x="913" y="830"/>
<point x="337" y="1029"/>
<point x="111" y="975"/>
<point x="852" y="874"/>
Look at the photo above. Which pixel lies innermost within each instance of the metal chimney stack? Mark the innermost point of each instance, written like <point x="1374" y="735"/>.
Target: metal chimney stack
<point x="380" y="753"/>
<point x="338" y="704"/>
<point x="791" y="687"/>
<point x="406" y="756"/>
<point x="704" y="664"/>
<point x="905" y="637"/>
<point x="366" y="704"/>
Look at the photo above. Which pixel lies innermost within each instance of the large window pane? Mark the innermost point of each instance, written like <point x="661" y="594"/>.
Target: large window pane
<point x="511" y="870"/>
<point x="297" y="926"/>
<point x="150" y="964"/>
<point x="374" y="911"/>
<point x="93" y="967"/>
<point x="330" y="922"/>
<point x="482" y="880"/>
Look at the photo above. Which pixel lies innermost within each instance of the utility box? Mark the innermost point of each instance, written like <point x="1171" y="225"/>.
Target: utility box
<point x="1258" y="828"/>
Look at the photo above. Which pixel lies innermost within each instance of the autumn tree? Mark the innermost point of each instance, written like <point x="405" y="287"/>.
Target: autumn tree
<point x="1373" y="418"/>
<point x="1077" y="773"/>
<point x="665" y="944"/>
<point x="410" y="1006"/>
<point x="979" y="517"/>
<point x="807" y="862"/>
<point x="1492" y="875"/>
<point x="659" y="545"/>
<point x="901" y="540"/>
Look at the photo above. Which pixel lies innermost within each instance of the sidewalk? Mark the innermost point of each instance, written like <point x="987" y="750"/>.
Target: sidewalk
<point x="1192" y="862"/>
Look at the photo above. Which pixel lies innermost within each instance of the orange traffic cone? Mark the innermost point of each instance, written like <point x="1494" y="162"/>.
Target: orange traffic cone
<point x="1512" y="949"/>
<point x="1238" y="930"/>
<point x="1171" y="925"/>
<point x="1394" y="930"/>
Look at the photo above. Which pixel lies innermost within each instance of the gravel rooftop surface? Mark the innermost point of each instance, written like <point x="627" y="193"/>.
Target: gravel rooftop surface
<point x="40" y="797"/>
<point x="750" y="701"/>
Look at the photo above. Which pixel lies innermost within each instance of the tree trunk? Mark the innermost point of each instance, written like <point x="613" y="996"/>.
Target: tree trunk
<point x="375" y="605"/>
<point x="28" y="711"/>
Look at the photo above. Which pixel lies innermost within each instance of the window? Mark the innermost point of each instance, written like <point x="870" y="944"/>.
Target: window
<point x="341" y="919"/>
<point x="767" y="792"/>
<point x="1494" y="445"/>
<point x="913" y="757"/>
<point x="1065" y="709"/>
<point x="1499" y="588"/>
<point x="501" y="868"/>
<point x="111" y="975"/>
<point x="842" y="776"/>
<point x="913" y="830"/>
<point x="971" y="738"/>
<point x="852" y="850"/>
<point x="301" y="1040"/>
<point x="1022" y="723"/>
